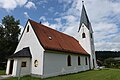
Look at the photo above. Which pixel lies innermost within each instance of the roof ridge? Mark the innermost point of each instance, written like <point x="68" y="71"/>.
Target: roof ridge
<point x="51" y="28"/>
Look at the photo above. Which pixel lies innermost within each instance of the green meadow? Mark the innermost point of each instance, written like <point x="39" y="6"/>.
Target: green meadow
<point x="105" y="74"/>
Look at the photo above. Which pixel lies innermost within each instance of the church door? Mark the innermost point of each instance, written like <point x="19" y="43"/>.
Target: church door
<point x="11" y="66"/>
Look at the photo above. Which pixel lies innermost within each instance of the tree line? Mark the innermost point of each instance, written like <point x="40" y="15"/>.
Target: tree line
<point x="107" y="54"/>
<point x="107" y="58"/>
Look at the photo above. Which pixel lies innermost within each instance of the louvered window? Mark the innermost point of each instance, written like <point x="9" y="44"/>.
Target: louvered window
<point x="83" y="35"/>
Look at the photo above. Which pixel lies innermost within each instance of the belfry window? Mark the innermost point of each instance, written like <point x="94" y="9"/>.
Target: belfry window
<point x="28" y="28"/>
<point x="83" y="35"/>
<point x="69" y="60"/>
<point x="91" y="35"/>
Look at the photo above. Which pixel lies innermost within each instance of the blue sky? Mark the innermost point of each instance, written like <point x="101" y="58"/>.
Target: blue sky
<point x="64" y="16"/>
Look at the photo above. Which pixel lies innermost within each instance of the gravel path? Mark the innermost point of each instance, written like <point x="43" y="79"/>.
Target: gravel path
<point x="2" y="77"/>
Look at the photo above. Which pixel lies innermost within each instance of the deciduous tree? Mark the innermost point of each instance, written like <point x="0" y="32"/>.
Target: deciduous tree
<point x="9" y="36"/>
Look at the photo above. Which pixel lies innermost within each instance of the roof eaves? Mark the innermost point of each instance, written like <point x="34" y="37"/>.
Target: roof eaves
<point x="67" y="51"/>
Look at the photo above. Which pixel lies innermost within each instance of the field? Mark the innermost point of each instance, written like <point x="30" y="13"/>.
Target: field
<point x="106" y="74"/>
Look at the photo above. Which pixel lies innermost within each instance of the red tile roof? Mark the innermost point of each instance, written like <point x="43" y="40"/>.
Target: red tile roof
<point x="51" y="39"/>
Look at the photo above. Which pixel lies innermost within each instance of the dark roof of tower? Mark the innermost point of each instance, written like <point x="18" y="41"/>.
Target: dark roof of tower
<point x="84" y="18"/>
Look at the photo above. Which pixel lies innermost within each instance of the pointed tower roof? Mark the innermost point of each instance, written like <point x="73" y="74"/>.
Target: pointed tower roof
<point x="84" y="18"/>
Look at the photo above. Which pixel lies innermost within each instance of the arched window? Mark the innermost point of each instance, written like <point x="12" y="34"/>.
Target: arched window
<point x="28" y="28"/>
<point x="91" y="35"/>
<point x="69" y="60"/>
<point x="83" y="35"/>
<point x="86" y="62"/>
<point x="35" y="63"/>
<point x="93" y="64"/>
<point x="79" y="60"/>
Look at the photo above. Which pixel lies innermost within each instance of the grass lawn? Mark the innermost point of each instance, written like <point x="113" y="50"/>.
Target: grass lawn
<point x="106" y="74"/>
<point x="2" y="72"/>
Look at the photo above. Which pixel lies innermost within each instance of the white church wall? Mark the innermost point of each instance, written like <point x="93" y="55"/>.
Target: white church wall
<point x="27" y="40"/>
<point x="15" y="65"/>
<point x="14" y="70"/>
<point x="94" y="57"/>
<point x="20" y="71"/>
<point x="8" y="66"/>
<point x="86" y="43"/>
<point x="17" y="69"/>
<point x="56" y="64"/>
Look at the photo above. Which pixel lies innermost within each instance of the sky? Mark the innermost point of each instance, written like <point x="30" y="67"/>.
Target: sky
<point x="64" y="16"/>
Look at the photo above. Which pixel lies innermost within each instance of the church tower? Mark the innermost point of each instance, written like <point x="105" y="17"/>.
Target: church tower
<point x="86" y="38"/>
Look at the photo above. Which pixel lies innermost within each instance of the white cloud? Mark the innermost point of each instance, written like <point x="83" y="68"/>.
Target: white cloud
<point x="53" y="26"/>
<point x="22" y="28"/>
<point x="8" y="4"/>
<point x="105" y="30"/>
<point x="56" y="13"/>
<point x="104" y="16"/>
<point x="21" y="2"/>
<point x="51" y="9"/>
<point x="71" y="25"/>
<point x="26" y="15"/>
<point x="46" y="23"/>
<point x="116" y="38"/>
<point x="42" y="18"/>
<point x="1" y="25"/>
<point x="69" y="18"/>
<point x="11" y="4"/>
<point x="108" y="46"/>
<point x="30" y="5"/>
<point x="39" y="2"/>
<point x="66" y="3"/>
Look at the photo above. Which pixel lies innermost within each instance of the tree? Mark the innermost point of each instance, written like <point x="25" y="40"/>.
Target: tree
<point x="1" y="43"/>
<point x="111" y="63"/>
<point x="9" y="36"/>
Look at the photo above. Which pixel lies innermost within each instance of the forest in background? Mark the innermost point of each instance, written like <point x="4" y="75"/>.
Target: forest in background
<point x="110" y="59"/>
<point x="102" y="55"/>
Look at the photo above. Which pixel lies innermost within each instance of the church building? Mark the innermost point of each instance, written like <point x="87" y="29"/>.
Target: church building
<point x="45" y="52"/>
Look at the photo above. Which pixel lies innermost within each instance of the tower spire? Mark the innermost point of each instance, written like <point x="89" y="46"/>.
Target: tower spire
<point x="86" y="38"/>
<point x="84" y="18"/>
<point x="82" y="2"/>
